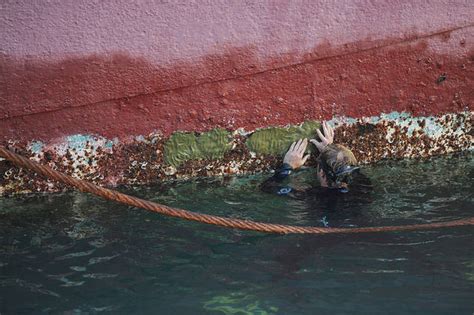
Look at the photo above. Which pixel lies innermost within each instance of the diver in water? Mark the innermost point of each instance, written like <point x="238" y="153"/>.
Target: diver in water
<point x="342" y="192"/>
<point x="337" y="169"/>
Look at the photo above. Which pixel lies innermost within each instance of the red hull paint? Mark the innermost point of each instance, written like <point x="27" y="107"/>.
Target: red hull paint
<point x="120" y="96"/>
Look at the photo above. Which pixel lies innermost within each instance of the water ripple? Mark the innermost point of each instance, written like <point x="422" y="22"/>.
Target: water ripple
<point x="99" y="275"/>
<point x="97" y="260"/>
<point x="77" y="254"/>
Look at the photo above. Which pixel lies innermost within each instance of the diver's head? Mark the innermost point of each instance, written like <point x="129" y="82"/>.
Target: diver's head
<point x="335" y="166"/>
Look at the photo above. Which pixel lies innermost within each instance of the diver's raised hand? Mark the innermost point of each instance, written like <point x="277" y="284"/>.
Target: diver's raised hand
<point x="326" y="138"/>
<point x="295" y="156"/>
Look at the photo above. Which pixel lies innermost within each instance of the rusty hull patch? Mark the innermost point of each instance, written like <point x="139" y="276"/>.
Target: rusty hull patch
<point x="141" y="160"/>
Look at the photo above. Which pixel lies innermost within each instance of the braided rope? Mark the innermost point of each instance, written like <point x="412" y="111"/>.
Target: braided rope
<point x="85" y="186"/>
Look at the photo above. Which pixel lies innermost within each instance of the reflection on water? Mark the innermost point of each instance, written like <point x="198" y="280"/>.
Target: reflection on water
<point x="75" y="253"/>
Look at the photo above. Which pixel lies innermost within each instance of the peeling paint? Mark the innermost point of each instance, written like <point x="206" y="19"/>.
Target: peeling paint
<point x="36" y="147"/>
<point x="150" y="158"/>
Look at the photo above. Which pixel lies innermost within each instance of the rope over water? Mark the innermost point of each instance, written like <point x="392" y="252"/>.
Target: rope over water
<point x="110" y="194"/>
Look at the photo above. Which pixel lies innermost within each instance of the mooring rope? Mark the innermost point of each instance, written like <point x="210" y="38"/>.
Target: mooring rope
<point x="110" y="194"/>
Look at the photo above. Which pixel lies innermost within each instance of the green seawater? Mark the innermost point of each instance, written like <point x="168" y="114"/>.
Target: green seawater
<point x="74" y="253"/>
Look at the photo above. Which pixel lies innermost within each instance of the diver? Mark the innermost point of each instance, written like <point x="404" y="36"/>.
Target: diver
<point x="337" y="169"/>
<point x="343" y="192"/>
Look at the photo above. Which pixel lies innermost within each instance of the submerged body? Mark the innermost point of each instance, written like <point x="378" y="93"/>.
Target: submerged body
<point x="323" y="201"/>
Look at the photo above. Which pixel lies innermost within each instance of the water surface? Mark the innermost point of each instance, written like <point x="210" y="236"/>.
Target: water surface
<point x="74" y="253"/>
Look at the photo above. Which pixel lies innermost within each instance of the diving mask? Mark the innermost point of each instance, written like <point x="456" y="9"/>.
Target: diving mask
<point x="342" y="175"/>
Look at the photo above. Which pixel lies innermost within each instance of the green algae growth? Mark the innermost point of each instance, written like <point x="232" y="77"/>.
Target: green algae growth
<point x="185" y="146"/>
<point x="276" y="140"/>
